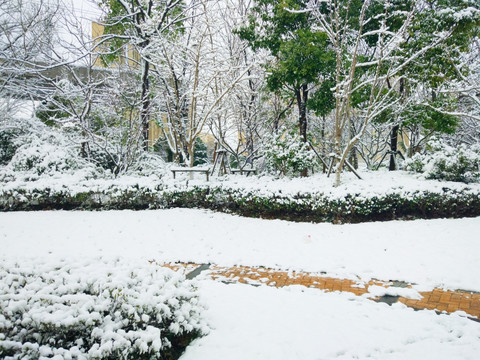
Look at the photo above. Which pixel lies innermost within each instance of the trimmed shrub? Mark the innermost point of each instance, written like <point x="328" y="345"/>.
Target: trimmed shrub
<point x="95" y="310"/>
<point x="315" y="207"/>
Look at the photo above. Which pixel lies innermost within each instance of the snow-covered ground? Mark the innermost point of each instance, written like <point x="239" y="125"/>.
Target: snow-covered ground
<point x="431" y="253"/>
<point x="294" y="322"/>
<point x="262" y="323"/>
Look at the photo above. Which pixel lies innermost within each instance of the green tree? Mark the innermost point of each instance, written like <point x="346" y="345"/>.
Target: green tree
<point x="435" y="68"/>
<point x="201" y="156"/>
<point x="376" y="43"/>
<point x="302" y="56"/>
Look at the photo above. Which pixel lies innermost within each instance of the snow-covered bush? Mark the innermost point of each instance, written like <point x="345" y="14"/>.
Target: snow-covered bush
<point x="48" y="154"/>
<point x="95" y="310"/>
<point x="445" y="162"/>
<point x="33" y="150"/>
<point x="287" y="154"/>
<point x="7" y="145"/>
<point x="434" y="200"/>
<point x="44" y="156"/>
<point x="30" y="149"/>
<point x="148" y="164"/>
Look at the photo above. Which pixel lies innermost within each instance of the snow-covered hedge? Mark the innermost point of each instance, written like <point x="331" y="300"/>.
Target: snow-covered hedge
<point x="397" y="203"/>
<point x="103" y="310"/>
<point x="445" y="162"/>
<point x="318" y="207"/>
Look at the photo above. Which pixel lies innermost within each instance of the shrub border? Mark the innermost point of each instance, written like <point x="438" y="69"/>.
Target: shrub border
<point x="310" y="207"/>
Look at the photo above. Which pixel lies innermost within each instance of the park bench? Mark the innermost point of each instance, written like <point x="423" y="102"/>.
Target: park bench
<point x="190" y="170"/>
<point x="244" y="171"/>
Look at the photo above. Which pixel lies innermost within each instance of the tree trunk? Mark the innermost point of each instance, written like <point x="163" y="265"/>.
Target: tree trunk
<point x="323" y="141"/>
<point x="394" y="134"/>
<point x="302" y="97"/>
<point x="393" y="148"/>
<point x="354" y="158"/>
<point x="338" y="174"/>
<point x="191" y="154"/>
<point x="338" y="152"/>
<point x="144" y="115"/>
<point x="353" y="153"/>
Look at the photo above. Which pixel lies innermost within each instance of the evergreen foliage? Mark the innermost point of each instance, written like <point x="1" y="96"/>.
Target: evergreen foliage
<point x="100" y="310"/>
<point x="8" y="146"/>
<point x="201" y="156"/>
<point x="303" y="55"/>
<point x="444" y="162"/>
<point x="287" y="154"/>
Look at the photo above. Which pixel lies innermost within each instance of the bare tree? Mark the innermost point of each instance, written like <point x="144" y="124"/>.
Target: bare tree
<point x="193" y="77"/>
<point x="467" y="88"/>
<point x="53" y="68"/>
<point x="27" y="36"/>
<point x="238" y="125"/>
<point x="103" y="104"/>
<point x="141" y="23"/>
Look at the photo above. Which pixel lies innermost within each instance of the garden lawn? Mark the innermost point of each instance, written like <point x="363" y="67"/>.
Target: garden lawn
<point x="290" y="323"/>
<point x="431" y="253"/>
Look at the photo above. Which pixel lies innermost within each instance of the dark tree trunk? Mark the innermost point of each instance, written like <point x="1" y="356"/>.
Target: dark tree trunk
<point x="354" y="158"/>
<point x="393" y="147"/>
<point x="302" y="97"/>
<point x="394" y="134"/>
<point x="323" y="142"/>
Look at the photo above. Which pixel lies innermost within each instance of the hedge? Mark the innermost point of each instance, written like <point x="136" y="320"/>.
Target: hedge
<point x="312" y="207"/>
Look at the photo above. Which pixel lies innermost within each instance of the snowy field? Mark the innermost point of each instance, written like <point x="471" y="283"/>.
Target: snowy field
<point x="431" y="253"/>
<point x="290" y="323"/>
<point x="264" y="323"/>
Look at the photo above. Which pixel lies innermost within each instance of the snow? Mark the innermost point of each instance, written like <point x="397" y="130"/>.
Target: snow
<point x="260" y="322"/>
<point x="101" y="302"/>
<point x="431" y="253"/>
<point x="377" y="291"/>
<point x="373" y="184"/>
<point x="297" y="323"/>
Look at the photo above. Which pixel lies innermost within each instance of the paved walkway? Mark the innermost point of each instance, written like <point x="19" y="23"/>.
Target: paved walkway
<point x="438" y="299"/>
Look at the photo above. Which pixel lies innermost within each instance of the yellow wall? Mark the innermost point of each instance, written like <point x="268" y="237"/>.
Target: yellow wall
<point x="129" y="56"/>
<point x="154" y="133"/>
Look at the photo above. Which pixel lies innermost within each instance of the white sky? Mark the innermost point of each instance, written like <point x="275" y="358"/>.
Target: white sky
<point x="78" y="13"/>
<point x="86" y="9"/>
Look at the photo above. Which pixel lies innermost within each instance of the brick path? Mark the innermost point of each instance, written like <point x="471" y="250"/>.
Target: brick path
<point x="438" y="299"/>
